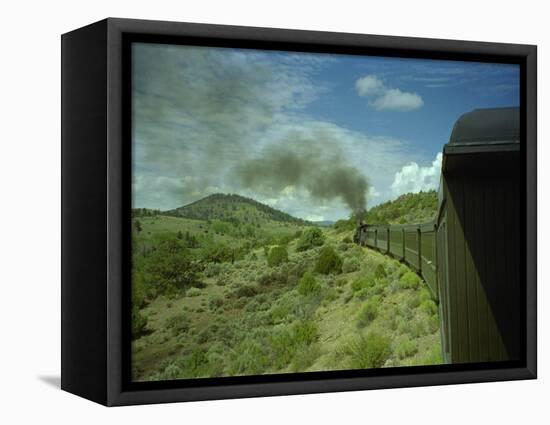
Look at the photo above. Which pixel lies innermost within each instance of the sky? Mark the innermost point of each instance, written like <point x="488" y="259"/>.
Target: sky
<point x="319" y="136"/>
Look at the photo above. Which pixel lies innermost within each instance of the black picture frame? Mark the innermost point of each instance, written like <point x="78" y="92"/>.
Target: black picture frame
<point x="96" y="203"/>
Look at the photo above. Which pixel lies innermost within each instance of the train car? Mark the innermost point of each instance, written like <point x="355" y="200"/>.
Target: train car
<point x="469" y="254"/>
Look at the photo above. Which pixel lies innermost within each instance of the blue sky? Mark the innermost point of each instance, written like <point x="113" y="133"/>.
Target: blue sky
<point x="447" y="88"/>
<point x="315" y="135"/>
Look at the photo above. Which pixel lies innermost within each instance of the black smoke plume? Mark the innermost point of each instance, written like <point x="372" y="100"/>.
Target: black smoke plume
<point x="315" y="166"/>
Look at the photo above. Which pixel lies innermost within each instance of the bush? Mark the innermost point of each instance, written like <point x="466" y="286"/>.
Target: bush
<point x="217" y="253"/>
<point x="248" y="358"/>
<point x="277" y="256"/>
<point x="368" y="312"/>
<point x="178" y="324"/>
<point x="369" y="351"/>
<point x="429" y="307"/>
<point x="246" y="291"/>
<point x="286" y="342"/>
<point x="308" y="285"/>
<point x="347" y="239"/>
<point x="310" y="238"/>
<point x="172" y="371"/>
<point x="273" y="277"/>
<point x="406" y="348"/>
<point x="328" y="262"/>
<point x="193" y="292"/>
<point x="379" y="271"/>
<point x="409" y="280"/>
<point x="413" y="301"/>
<point x="212" y="269"/>
<point x="139" y="323"/>
<point x="215" y="302"/>
<point x="170" y="266"/>
<point x="350" y="265"/>
<point x="363" y="282"/>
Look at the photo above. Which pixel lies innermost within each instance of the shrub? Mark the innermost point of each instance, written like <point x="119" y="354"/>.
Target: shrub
<point x="370" y="351"/>
<point x="429" y="307"/>
<point x="413" y="301"/>
<point x="328" y="262"/>
<point x="193" y="292"/>
<point x="368" y="312"/>
<point x="363" y="282"/>
<point x="350" y="265"/>
<point x="172" y="371"/>
<point x="406" y="348"/>
<point x="286" y="342"/>
<point x="424" y="294"/>
<point x="310" y="238"/>
<point x="341" y="281"/>
<point x="409" y="280"/>
<point x="178" y="324"/>
<point x="170" y="266"/>
<point x="277" y="256"/>
<point x="379" y="271"/>
<point x="308" y="285"/>
<point x="139" y="292"/>
<point x="305" y="332"/>
<point x="305" y="357"/>
<point x="433" y="357"/>
<point x="273" y="277"/>
<point x="217" y="253"/>
<point x="246" y="291"/>
<point x="248" y="358"/>
<point x="212" y="269"/>
<point x="418" y="328"/>
<point x="215" y="302"/>
<point x="347" y="239"/>
<point x="433" y="323"/>
<point x="139" y="323"/>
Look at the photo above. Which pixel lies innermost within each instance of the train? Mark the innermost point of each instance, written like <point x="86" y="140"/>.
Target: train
<point x="469" y="255"/>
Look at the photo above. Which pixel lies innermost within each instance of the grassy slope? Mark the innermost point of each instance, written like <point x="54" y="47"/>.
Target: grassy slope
<point x="408" y="208"/>
<point x="222" y="329"/>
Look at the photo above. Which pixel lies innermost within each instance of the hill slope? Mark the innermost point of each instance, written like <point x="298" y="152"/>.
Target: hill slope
<point x="408" y="208"/>
<point x="233" y="208"/>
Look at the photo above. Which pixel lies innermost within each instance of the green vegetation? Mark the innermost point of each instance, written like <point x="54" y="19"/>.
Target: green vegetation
<point x="219" y="297"/>
<point x="408" y="208"/>
<point x="233" y="209"/>
<point x="328" y="262"/>
<point x="277" y="256"/>
<point x="308" y="285"/>
<point x="310" y="238"/>
<point x="368" y="351"/>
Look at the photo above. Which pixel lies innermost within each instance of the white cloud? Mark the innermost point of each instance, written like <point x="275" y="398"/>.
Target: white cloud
<point x="396" y="100"/>
<point x="370" y="85"/>
<point x="414" y="178"/>
<point x="384" y="98"/>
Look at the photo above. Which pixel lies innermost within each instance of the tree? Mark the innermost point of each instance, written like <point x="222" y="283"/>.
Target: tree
<point x="170" y="266"/>
<point x="137" y="225"/>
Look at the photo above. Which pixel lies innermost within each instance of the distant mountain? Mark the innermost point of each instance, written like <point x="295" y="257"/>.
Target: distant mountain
<point x="233" y="208"/>
<point x="323" y="223"/>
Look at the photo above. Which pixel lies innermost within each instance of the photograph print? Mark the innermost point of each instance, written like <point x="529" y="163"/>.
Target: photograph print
<point x="300" y="212"/>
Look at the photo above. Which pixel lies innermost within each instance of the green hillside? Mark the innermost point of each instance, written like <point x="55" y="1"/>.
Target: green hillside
<point x="410" y="208"/>
<point x="215" y="297"/>
<point x="234" y="209"/>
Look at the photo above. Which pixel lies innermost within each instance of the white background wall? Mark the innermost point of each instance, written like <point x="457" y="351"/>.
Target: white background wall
<point x="30" y="211"/>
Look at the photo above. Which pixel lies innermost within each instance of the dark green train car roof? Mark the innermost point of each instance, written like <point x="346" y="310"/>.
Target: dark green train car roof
<point x="487" y="126"/>
<point x="484" y="140"/>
